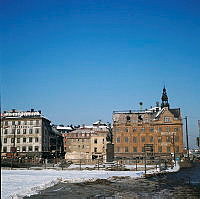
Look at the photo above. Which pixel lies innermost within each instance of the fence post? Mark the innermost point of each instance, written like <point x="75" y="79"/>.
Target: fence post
<point x="80" y="164"/>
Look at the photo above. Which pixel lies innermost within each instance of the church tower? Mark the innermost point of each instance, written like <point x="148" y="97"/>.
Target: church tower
<point x="164" y="99"/>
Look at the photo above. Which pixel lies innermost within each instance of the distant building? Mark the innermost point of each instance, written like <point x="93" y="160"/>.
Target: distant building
<point x="64" y="129"/>
<point x="158" y="129"/>
<point x="87" y="142"/>
<point x="29" y="134"/>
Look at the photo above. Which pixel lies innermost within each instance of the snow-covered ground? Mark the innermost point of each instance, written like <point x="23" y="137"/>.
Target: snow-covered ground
<point x="18" y="183"/>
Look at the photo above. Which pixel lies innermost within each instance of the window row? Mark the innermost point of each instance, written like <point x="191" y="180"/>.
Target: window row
<point x="24" y="131"/>
<point x="144" y="139"/>
<point x="21" y="140"/>
<point x="160" y="129"/>
<point x="26" y="122"/>
<point x="136" y="149"/>
<point x="22" y="149"/>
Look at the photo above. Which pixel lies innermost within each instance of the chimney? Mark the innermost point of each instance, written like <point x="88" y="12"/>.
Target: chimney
<point x="157" y="106"/>
<point x="13" y="110"/>
<point x="32" y="110"/>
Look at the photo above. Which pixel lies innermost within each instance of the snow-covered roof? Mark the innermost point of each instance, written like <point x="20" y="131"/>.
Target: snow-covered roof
<point x="64" y="128"/>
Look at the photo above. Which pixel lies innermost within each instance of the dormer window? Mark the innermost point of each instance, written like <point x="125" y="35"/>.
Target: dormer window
<point x="167" y="119"/>
<point x="128" y="118"/>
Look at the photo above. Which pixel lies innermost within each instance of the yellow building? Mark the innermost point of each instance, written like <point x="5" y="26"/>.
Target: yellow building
<point x="159" y="129"/>
<point x="86" y="142"/>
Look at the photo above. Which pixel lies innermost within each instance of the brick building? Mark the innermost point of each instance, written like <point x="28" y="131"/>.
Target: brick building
<point x="159" y="127"/>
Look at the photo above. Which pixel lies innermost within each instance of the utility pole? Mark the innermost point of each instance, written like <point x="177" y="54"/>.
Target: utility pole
<point x="199" y="133"/>
<point x="187" y="137"/>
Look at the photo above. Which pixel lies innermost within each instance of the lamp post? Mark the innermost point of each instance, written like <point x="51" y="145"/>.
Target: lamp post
<point x="186" y="130"/>
<point x="13" y="149"/>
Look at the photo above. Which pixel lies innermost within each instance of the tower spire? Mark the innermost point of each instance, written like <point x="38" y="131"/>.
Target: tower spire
<point x="164" y="98"/>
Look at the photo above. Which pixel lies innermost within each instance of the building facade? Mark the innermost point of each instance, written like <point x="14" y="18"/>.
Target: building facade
<point x="159" y="129"/>
<point x="28" y="134"/>
<point x="87" y="142"/>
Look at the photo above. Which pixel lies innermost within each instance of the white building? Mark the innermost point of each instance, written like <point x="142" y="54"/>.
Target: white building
<point x="28" y="133"/>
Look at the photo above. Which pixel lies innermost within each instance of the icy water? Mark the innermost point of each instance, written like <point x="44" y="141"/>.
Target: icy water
<point x="184" y="184"/>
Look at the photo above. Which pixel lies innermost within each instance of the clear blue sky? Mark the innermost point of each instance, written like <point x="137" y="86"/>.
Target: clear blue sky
<point x="78" y="61"/>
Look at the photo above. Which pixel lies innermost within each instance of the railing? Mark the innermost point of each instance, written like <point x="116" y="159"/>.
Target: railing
<point x="130" y="111"/>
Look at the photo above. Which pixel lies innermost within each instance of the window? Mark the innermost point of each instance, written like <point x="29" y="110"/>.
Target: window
<point x="6" y="123"/>
<point x="36" y="148"/>
<point x="159" y="129"/>
<point x="143" y="129"/>
<point x="30" y="139"/>
<point x="95" y="149"/>
<point x="18" y="140"/>
<point x="126" y="129"/>
<point x="126" y="139"/>
<point x="103" y="140"/>
<point x="95" y="141"/>
<point x="31" y="122"/>
<point x="167" y="119"/>
<point x="151" y="129"/>
<point x="24" y="139"/>
<point x="143" y="139"/>
<point x="168" y="149"/>
<point x="37" y="122"/>
<point x="4" y="149"/>
<point x="176" y="138"/>
<point x="118" y="139"/>
<point x="177" y="149"/>
<point x="18" y="131"/>
<point x="30" y="131"/>
<point x="143" y="149"/>
<point x="134" y="139"/>
<point x="168" y="139"/>
<point x="126" y="149"/>
<point x="159" y="149"/>
<point x="37" y="131"/>
<point x="118" y="149"/>
<point x="151" y="139"/>
<point x="24" y="131"/>
<point x="117" y="130"/>
<point x="18" y="149"/>
<point x="23" y="149"/>
<point x="19" y="122"/>
<point x="5" y="140"/>
<point x="159" y="139"/>
<point x="134" y="149"/>
<point x="134" y="129"/>
<point x="13" y="122"/>
<point x="128" y="118"/>
<point x="176" y="129"/>
<point x="167" y="129"/>
<point x="13" y="131"/>
<point x="83" y="146"/>
<point x="30" y="148"/>
<point x="12" y="140"/>
<point x="25" y="122"/>
<point x="5" y="131"/>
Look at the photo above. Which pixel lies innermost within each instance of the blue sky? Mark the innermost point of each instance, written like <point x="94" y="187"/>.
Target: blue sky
<point x="77" y="61"/>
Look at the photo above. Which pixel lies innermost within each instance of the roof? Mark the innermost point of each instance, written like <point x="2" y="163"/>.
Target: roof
<point x="64" y="128"/>
<point x="176" y="112"/>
